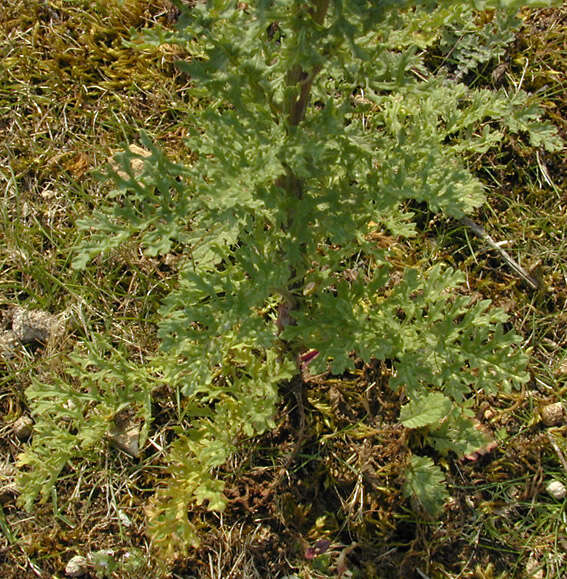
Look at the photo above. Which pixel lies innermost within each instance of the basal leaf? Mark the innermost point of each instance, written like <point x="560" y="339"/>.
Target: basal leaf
<point x="425" y="484"/>
<point x="425" y="410"/>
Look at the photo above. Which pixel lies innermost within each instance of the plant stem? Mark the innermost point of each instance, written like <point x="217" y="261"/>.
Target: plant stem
<point x="295" y="108"/>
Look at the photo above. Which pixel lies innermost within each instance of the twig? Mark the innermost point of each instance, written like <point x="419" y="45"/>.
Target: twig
<point x="556" y="448"/>
<point x="480" y="232"/>
<point x="296" y="448"/>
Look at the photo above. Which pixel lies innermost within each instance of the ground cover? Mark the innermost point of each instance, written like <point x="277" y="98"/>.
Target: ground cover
<point x="309" y="498"/>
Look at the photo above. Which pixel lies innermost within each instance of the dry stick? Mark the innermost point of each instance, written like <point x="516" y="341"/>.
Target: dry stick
<point x="480" y="232"/>
<point x="557" y="450"/>
<point x="296" y="448"/>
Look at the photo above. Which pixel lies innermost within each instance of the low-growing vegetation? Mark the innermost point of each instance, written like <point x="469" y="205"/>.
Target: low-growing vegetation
<point x="264" y="339"/>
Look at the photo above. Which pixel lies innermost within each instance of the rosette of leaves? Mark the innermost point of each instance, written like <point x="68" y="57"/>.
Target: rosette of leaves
<point x="319" y="121"/>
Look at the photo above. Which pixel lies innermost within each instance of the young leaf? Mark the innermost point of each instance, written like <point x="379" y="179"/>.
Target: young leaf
<point x="425" y="410"/>
<point x="425" y="484"/>
<point x="458" y="434"/>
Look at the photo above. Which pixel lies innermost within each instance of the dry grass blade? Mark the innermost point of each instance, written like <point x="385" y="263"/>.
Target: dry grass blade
<point x="480" y="232"/>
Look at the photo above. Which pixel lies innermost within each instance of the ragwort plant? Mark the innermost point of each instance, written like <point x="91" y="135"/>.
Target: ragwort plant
<point x="320" y="121"/>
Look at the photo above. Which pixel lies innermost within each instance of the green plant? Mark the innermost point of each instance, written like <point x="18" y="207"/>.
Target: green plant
<point x="78" y="411"/>
<point x="465" y="45"/>
<point x="320" y="123"/>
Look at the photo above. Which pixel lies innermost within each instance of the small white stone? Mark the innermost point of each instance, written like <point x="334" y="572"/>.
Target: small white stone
<point x="31" y="325"/>
<point x="556" y="489"/>
<point x="489" y="414"/>
<point x="23" y="427"/>
<point x="534" y="569"/>
<point x="561" y="370"/>
<point x="8" y="488"/>
<point x="124" y="519"/>
<point x="77" y="566"/>
<point x="553" y="414"/>
<point x="8" y="344"/>
<point x="126" y="438"/>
